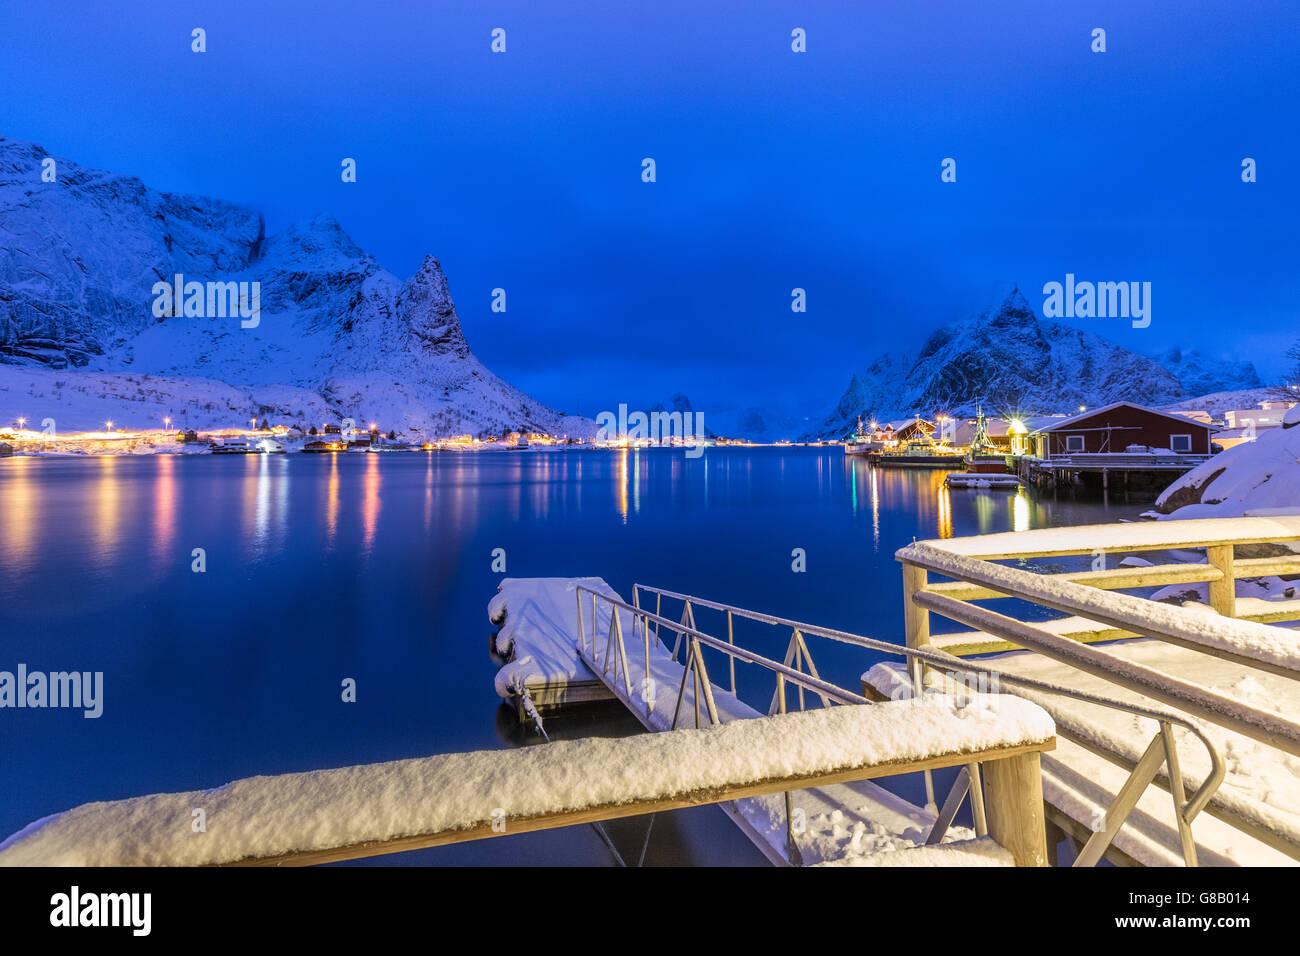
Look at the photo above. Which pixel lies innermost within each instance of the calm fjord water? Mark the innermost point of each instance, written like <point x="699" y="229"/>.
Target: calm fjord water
<point x="378" y="568"/>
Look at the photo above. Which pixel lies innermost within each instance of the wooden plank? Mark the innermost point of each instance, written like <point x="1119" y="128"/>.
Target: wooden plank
<point x="1108" y="580"/>
<point x="596" y="814"/>
<point x="970" y="643"/>
<point x="1186" y="534"/>
<point x="1264" y="567"/>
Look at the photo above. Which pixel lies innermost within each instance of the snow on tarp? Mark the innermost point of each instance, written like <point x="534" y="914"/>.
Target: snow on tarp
<point x="1262" y="783"/>
<point x="269" y="816"/>
<point x="538" y="618"/>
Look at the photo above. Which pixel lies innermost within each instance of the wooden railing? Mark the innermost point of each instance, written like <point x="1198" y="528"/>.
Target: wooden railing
<point x="1099" y="612"/>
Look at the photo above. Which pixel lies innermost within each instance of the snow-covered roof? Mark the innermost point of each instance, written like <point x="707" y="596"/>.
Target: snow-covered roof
<point x="900" y="425"/>
<point x="1094" y="412"/>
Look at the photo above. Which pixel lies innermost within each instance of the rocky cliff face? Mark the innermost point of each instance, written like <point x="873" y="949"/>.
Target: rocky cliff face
<point x="79" y="258"/>
<point x="1006" y="360"/>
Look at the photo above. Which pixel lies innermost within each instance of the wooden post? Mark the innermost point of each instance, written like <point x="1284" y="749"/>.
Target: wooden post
<point x="1223" y="593"/>
<point x="1013" y="800"/>
<point x="916" y="620"/>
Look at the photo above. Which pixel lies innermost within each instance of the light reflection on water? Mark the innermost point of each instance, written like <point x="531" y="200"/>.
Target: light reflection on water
<point x="378" y="567"/>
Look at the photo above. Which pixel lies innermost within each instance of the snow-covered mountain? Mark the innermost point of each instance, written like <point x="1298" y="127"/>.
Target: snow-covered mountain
<point x="1005" y="359"/>
<point x="1201" y="374"/>
<point x="79" y="258"/>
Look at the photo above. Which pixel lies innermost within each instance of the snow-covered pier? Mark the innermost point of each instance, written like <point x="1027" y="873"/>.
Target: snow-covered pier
<point x="562" y="633"/>
<point x="1199" y="697"/>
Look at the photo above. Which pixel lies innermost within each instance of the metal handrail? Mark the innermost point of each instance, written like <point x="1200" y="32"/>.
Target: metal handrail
<point x="797" y="677"/>
<point x="1140" y="775"/>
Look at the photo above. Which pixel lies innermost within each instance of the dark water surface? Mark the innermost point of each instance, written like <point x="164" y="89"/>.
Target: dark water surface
<point x="378" y="568"/>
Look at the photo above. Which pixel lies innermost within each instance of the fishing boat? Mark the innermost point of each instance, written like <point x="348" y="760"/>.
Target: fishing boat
<point x="859" y="443"/>
<point x="919" y="453"/>
<point x="985" y="466"/>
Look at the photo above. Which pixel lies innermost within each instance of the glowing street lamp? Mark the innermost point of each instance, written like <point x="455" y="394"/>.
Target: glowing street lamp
<point x="167" y="422"/>
<point x="22" y="422"/>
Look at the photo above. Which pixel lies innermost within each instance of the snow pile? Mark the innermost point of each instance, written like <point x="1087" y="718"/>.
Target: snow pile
<point x="976" y="852"/>
<point x="1261" y="476"/>
<point x="538" y="621"/>
<point x="319" y="810"/>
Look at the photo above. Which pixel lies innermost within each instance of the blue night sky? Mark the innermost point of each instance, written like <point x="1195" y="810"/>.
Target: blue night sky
<point x="775" y="170"/>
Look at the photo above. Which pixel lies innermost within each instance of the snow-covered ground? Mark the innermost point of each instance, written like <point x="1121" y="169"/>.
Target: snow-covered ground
<point x="1216" y="403"/>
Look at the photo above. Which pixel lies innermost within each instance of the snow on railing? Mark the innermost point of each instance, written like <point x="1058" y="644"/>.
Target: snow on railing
<point x="1092" y="597"/>
<point x="354" y="812"/>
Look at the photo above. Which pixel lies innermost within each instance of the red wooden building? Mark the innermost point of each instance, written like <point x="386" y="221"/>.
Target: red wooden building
<point x="1117" y="428"/>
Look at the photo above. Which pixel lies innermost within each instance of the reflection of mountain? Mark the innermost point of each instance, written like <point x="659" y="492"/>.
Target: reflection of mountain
<point x="1007" y="359"/>
<point x="338" y="334"/>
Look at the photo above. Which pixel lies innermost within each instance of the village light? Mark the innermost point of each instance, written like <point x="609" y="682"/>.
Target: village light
<point x="22" y="422"/>
<point x="108" y="426"/>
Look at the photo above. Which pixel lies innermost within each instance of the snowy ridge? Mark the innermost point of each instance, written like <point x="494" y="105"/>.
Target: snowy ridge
<point x="319" y="810"/>
<point x="343" y="336"/>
